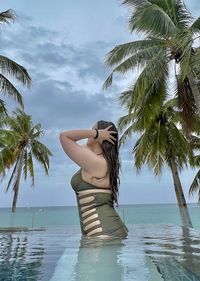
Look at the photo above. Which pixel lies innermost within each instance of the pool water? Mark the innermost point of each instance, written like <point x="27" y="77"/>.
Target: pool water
<point x="150" y="252"/>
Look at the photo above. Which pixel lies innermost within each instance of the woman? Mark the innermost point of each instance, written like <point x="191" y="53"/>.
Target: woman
<point x="96" y="183"/>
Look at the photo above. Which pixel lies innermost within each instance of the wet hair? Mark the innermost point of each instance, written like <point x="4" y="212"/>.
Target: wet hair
<point x="111" y="153"/>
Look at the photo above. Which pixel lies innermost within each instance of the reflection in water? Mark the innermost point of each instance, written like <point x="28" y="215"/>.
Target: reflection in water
<point x="175" y="252"/>
<point x="149" y="253"/>
<point x="111" y="259"/>
<point x="98" y="259"/>
<point x="14" y="258"/>
<point x="30" y="254"/>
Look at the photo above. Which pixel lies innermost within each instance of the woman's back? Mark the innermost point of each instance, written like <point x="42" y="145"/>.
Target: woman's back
<point x="99" y="180"/>
<point x="96" y="210"/>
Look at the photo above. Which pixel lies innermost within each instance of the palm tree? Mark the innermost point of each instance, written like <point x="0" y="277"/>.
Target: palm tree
<point x="21" y="143"/>
<point x="169" y="37"/>
<point x="11" y="69"/>
<point x="161" y="142"/>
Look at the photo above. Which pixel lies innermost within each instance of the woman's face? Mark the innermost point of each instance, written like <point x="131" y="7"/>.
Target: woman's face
<point x="92" y="140"/>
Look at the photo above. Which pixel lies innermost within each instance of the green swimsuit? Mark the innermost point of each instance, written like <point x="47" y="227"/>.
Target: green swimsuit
<point x="96" y="210"/>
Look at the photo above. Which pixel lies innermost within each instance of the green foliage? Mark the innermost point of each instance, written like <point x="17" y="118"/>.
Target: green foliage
<point x="164" y="118"/>
<point x="168" y="37"/>
<point x="10" y="69"/>
<point x="19" y="137"/>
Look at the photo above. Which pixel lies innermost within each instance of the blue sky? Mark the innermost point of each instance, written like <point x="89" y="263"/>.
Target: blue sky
<point x="63" y="46"/>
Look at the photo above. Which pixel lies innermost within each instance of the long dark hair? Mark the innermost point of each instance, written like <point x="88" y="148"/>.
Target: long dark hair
<point x="111" y="153"/>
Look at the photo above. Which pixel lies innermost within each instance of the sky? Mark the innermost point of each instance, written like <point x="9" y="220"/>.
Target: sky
<point x="63" y="45"/>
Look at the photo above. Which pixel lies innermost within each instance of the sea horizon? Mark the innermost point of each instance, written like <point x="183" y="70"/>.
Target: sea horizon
<point x="120" y="205"/>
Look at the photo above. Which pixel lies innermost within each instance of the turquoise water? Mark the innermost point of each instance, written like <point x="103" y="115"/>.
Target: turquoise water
<point x="63" y="216"/>
<point x="45" y="244"/>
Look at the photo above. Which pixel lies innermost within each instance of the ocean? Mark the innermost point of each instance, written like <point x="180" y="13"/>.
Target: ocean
<point x="68" y="215"/>
<point x="45" y="244"/>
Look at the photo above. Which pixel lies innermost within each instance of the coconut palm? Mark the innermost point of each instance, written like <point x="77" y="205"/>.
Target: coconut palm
<point x="21" y="144"/>
<point x="168" y="45"/>
<point x="11" y="69"/>
<point x="161" y="142"/>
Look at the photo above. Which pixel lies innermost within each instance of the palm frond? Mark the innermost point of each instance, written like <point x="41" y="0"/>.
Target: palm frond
<point x="14" y="70"/>
<point x="41" y="153"/>
<point x="141" y="149"/>
<point x="108" y="82"/>
<point x="183" y="15"/>
<point x="152" y="101"/>
<point x="36" y="131"/>
<point x="175" y="136"/>
<point x="152" y="20"/>
<point x="137" y="60"/>
<point x="184" y="43"/>
<point x="196" y="158"/>
<point x="196" y="126"/>
<point x="120" y="52"/>
<point x="124" y="121"/>
<point x="125" y="97"/>
<point x="195" y="185"/>
<point x="195" y="27"/>
<point x="195" y="62"/>
<point x="127" y="133"/>
<point x="7" y="16"/>
<point x="156" y="69"/>
<point x="7" y="88"/>
<point x="186" y="104"/>
<point x="133" y="3"/>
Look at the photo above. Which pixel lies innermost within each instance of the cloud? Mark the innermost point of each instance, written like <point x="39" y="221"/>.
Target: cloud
<point x="66" y="63"/>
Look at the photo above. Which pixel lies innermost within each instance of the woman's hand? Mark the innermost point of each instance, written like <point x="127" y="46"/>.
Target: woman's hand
<point x="105" y="134"/>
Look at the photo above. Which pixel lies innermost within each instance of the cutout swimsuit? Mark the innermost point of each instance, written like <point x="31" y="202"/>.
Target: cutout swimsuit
<point x="97" y="214"/>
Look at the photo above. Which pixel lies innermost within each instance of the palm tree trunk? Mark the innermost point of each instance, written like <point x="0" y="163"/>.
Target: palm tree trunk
<point x="195" y="91"/>
<point x="180" y="195"/>
<point x="16" y="186"/>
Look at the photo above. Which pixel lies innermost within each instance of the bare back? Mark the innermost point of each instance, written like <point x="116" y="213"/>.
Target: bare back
<point x="100" y="178"/>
